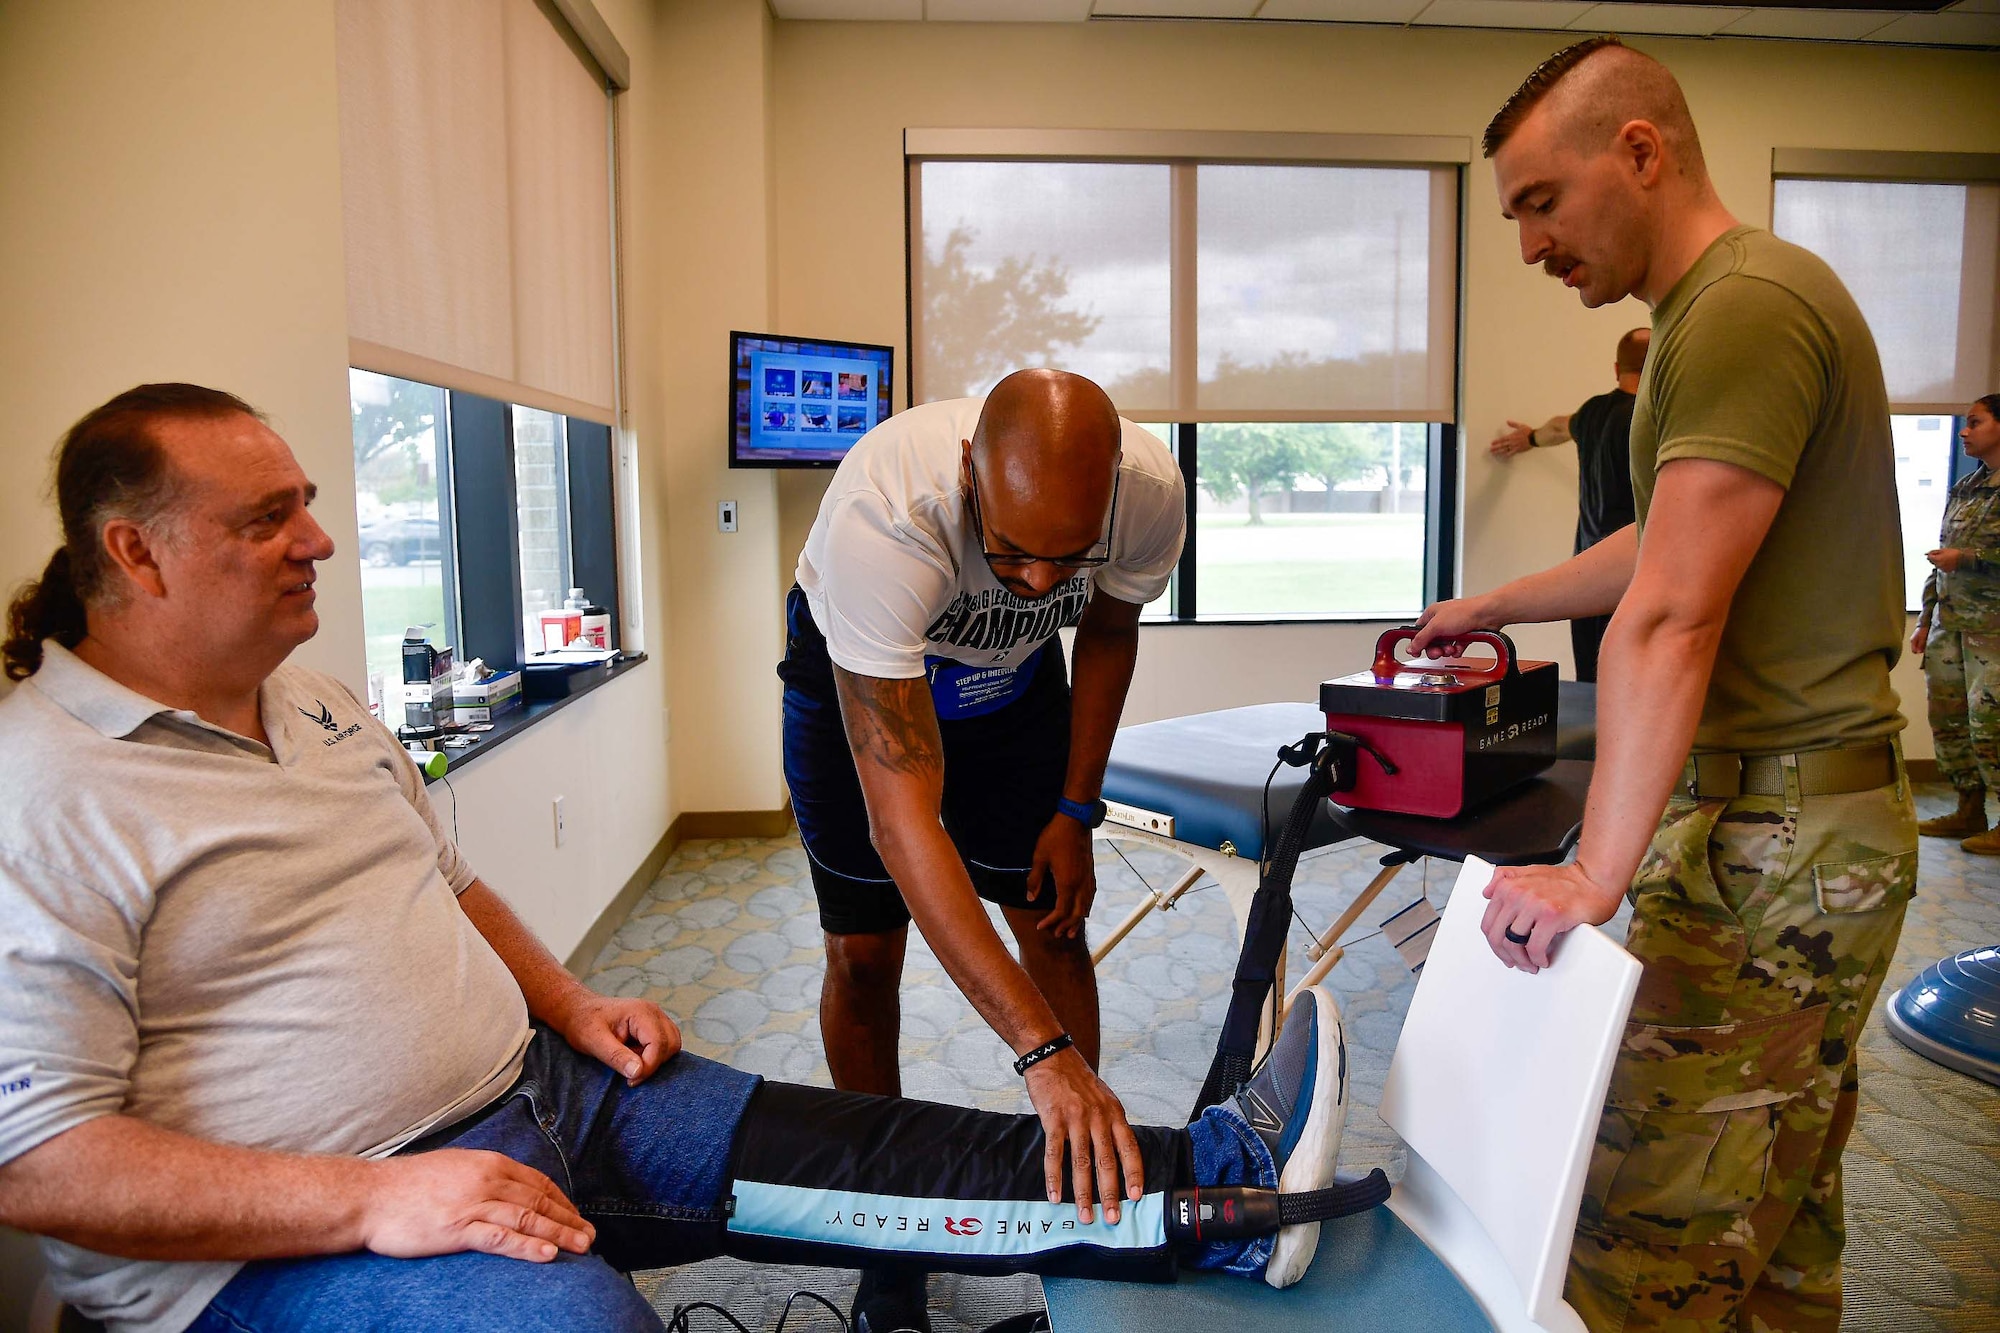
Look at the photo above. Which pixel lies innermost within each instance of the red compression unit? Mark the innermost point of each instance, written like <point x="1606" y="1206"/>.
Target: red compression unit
<point x="1458" y="732"/>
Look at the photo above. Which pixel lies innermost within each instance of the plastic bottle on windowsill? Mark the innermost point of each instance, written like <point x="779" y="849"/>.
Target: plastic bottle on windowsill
<point x="596" y="628"/>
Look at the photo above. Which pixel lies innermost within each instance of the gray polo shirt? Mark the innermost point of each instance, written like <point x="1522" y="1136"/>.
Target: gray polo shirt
<point x="256" y="946"/>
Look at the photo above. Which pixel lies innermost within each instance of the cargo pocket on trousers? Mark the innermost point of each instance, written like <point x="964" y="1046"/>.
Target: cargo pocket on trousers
<point x="1689" y="1122"/>
<point x="1865" y="886"/>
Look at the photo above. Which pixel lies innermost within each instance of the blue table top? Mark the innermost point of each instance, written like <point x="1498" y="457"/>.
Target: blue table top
<point x="1208" y="771"/>
<point x="1371" y="1272"/>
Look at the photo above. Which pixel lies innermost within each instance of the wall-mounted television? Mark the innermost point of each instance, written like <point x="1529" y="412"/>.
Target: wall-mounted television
<point x="803" y="402"/>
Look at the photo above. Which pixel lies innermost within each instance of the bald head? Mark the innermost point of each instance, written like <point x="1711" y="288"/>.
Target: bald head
<point x="1591" y="91"/>
<point x="1046" y="419"/>
<point x="1631" y="358"/>
<point x="1045" y="455"/>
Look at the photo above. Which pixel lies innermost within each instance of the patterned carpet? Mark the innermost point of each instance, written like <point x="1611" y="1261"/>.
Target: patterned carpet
<point x="727" y="940"/>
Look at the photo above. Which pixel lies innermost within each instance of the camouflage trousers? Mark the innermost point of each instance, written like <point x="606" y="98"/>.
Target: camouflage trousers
<point x="1963" y="674"/>
<point x="1713" y="1199"/>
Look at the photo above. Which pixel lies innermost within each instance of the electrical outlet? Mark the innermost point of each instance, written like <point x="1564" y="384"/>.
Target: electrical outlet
<point x="725" y="516"/>
<point x="562" y="826"/>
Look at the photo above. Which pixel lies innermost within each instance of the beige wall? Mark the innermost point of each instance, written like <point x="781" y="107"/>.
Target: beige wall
<point x="172" y="211"/>
<point x="845" y="92"/>
<point x="713" y="237"/>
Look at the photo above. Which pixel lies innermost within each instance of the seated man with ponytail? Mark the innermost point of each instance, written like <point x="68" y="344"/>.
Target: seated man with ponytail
<point x="272" y="1057"/>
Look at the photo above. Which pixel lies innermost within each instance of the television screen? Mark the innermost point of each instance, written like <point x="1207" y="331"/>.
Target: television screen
<point x="798" y="402"/>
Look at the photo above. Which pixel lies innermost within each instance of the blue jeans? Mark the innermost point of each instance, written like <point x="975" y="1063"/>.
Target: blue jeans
<point x="649" y="1166"/>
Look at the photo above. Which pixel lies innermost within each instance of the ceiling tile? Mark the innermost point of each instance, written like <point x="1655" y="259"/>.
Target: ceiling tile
<point x="1175" y="9"/>
<point x="1007" y="11"/>
<point x="1826" y="25"/>
<point x="1677" y="20"/>
<point x="1953" y="29"/>
<point x="1348" y="11"/>
<point x="1554" y="14"/>
<point x="848" y="9"/>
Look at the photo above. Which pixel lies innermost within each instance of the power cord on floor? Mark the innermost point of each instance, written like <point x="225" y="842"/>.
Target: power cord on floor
<point x="1031" y="1321"/>
<point x="681" y="1323"/>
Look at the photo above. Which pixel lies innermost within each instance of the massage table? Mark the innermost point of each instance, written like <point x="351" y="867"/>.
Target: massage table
<point x="1194" y="787"/>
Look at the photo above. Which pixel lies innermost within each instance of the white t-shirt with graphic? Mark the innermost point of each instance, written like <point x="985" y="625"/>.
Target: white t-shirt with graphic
<point x="893" y="570"/>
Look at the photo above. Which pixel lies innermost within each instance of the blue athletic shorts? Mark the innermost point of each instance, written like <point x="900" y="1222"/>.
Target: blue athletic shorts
<point x="1003" y="773"/>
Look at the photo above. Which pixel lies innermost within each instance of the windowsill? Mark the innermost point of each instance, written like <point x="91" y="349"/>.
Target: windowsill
<point x="514" y="723"/>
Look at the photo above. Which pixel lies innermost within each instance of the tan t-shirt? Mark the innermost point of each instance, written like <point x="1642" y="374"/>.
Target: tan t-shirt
<point x="1760" y="358"/>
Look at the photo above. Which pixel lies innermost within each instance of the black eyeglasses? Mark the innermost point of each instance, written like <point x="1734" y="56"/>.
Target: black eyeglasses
<point x="1098" y="554"/>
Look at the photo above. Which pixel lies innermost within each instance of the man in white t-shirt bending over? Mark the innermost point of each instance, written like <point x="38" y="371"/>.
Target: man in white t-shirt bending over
<point x="935" y="751"/>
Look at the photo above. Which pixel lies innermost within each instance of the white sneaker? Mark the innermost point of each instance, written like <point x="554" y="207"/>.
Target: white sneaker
<point x="1297" y="1102"/>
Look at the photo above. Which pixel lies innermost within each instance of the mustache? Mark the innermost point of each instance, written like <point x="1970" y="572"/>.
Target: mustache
<point x="1557" y="265"/>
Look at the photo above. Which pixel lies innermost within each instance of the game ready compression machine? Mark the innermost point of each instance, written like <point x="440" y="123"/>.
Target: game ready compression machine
<point x="1441" y="738"/>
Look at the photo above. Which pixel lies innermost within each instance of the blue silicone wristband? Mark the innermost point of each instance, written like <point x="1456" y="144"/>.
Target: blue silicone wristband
<point x="1085" y="815"/>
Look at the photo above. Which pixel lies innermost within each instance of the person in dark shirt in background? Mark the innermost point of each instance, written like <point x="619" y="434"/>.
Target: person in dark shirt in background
<point x="1602" y="429"/>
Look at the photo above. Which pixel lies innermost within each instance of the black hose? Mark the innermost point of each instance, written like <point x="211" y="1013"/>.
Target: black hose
<point x="1264" y="938"/>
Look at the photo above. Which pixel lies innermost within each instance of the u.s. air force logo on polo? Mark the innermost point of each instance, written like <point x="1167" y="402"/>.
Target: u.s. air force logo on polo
<point x="324" y="720"/>
<point x="937" y="1226"/>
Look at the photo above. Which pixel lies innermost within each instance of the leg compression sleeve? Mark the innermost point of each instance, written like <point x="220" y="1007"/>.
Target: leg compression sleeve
<point x="847" y="1180"/>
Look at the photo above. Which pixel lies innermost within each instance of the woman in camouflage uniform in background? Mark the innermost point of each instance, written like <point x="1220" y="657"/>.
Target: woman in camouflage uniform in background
<point x="1958" y="637"/>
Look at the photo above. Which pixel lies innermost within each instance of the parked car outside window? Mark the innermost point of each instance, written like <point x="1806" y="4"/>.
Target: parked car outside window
<point x="399" y="541"/>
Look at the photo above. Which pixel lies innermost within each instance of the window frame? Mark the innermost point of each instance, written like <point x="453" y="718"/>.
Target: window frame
<point x="479" y="523"/>
<point x="1185" y="151"/>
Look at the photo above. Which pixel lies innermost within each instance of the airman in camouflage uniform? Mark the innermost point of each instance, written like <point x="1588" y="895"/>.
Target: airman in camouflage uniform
<point x="1959" y="638"/>
<point x="1768" y="901"/>
<point x="1764" y="926"/>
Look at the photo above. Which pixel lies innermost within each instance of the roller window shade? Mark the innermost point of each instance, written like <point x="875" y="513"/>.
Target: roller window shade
<point x="1045" y="263"/>
<point x="1920" y="259"/>
<point x="476" y="189"/>
<point x="1326" y="291"/>
<point x="1192" y="291"/>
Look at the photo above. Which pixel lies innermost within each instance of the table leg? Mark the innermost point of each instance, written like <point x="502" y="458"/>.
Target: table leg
<point x="1158" y="900"/>
<point x="1317" y="972"/>
<point x="1382" y="879"/>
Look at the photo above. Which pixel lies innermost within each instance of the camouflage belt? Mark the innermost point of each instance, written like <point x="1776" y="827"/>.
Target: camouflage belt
<point x="1722" y="777"/>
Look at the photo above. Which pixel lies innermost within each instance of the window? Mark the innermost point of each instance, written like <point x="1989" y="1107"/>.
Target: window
<point x="1927" y="460"/>
<point x="478" y="195"/>
<point x="1025" y="262"/>
<point x="1289" y="326"/>
<point x="478" y="190"/>
<point x="542" y="506"/>
<point x="1920" y="257"/>
<point x="1318" y="518"/>
<point x="401" y="461"/>
<point x="475" y="516"/>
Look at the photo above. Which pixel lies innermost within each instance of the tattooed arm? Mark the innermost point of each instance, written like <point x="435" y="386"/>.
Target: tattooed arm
<point x="892" y="729"/>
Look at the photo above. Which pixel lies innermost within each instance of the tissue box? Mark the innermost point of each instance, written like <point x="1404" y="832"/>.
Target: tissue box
<point x="484" y="700"/>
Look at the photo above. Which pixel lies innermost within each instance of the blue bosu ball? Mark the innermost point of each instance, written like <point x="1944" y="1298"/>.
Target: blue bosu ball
<point x="1951" y="1013"/>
